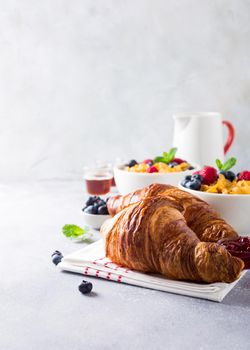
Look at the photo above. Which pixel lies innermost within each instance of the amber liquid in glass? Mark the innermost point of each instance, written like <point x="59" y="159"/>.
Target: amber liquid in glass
<point x="98" y="184"/>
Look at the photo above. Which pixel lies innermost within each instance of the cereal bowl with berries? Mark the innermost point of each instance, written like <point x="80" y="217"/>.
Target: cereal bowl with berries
<point x="228" y="193"/>
<point x="165" y="169"/>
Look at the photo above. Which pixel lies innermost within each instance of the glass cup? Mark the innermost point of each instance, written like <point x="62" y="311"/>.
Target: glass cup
<point x="98" y="180"/>
<point x="109" y="166"/>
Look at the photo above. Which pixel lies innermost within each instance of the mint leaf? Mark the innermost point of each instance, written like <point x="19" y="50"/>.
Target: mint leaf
<point x="166" y="156"/>
<point x="229" y="164"/>
<point x="219" y="164"/>
<point x="72" y="231"/>
<point x="171" y="154"/>
<point x="158" y="160"/>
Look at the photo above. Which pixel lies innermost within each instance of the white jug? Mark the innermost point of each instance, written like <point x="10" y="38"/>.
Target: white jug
<point x="199" y="137"/>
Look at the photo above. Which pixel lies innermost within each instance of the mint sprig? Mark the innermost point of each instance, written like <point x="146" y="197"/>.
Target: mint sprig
<point x="227" y="165"/>
<point x="75" y="232"/>
<point x="166" y="157"/>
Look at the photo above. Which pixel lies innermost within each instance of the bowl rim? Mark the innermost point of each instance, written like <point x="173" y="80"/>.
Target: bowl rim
<point x="95" y="215"/>
<point x="133" y="173"/>
<point x="221" y="195"/>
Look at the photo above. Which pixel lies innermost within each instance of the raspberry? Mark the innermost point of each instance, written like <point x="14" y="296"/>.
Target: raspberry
<point x="196" y="172"/>
<point x="148" y="161"/>
<point x="209" y="175"/>
<point x="152" y="169"/>
<point x="244" y="175"/>
<point x="178" y="160"/>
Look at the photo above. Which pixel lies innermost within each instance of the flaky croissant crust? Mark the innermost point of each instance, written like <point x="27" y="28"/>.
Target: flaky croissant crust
<point x="199" y="216"/>
<point x="152" y="236"/>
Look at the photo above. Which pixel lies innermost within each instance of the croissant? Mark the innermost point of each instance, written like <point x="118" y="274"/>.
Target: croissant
<point x="200" y="216"/>
<point x="152" y="236"/>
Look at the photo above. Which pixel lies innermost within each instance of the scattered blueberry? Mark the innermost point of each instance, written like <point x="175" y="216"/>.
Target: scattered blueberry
<point x="56" y="252"/>
<point x="229" y="175"/>
<point x="132" y="163"/>
<point x="56" y="257"/>
<point x="191" y="168"/>
<point x="102" y="210"/>
<point x="172" y="164"/>
<point x="85" y="287"/>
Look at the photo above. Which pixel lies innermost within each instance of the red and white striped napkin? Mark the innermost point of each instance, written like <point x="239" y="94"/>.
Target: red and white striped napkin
<point x="91" y="261"/>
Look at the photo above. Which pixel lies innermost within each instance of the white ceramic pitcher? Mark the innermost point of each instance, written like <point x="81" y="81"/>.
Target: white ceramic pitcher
<point x="199" y="137"/>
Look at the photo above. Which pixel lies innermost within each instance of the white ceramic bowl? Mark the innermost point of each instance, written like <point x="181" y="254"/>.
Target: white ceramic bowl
<point x="94" y="221"/>
<point x="127" y="181"/>
<point x="234" y="208"/>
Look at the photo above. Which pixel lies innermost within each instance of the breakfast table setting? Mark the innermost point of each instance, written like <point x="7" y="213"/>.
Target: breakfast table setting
<point x="140" y="254"/>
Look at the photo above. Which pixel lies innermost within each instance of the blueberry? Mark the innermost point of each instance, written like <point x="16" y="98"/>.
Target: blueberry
<point x="132" y="162"/>
<point x="96" y="206"/>
<point x="183" y="183"/>
<point x="91" y="209"/>
<point x="85" y="287"/>
<point x="56" y="252"/>
<point x="186" y="180"/>
<point x="197" y="177"/>
<point x="229" y="175"/>
<point x="91" y="200"/>
<point x="100" y="202"/>
<point x="193" y="184"/>
<point x="172" y="164"/>
<point x="191" y="168"/>
<point x="56" y="257"/>
<point x="102" y="210"/>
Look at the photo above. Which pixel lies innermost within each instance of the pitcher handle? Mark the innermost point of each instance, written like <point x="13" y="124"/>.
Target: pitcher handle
<point x="230" y="136"/>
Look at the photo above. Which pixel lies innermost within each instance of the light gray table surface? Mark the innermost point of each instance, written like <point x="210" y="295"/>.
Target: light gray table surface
<point x="41" y="308"/>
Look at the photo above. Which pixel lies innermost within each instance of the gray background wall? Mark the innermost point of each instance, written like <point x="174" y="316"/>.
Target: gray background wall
<point x="83" y="80"/>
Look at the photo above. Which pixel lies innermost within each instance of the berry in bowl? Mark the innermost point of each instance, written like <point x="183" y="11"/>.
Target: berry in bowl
<point x="95" y="212"/>
<point x="226" y="192"/>
<point x="165" y="169"/>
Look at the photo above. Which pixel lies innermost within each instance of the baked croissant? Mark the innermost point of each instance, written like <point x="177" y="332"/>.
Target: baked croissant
<point x="199" y="216"/>
<point x="152" y="236"/>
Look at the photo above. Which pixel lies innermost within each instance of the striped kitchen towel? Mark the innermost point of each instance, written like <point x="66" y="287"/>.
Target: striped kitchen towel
<point x="91" y="261"/>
